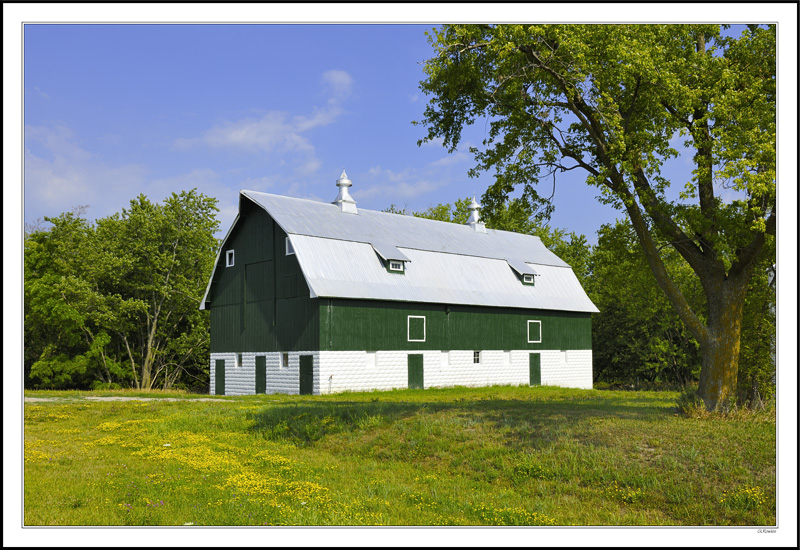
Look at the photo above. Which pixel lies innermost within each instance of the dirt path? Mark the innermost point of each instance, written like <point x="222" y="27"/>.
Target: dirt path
<point x="120" y="398"/>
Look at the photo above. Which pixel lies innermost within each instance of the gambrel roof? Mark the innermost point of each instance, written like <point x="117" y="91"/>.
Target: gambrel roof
<point x="341" y="255"/>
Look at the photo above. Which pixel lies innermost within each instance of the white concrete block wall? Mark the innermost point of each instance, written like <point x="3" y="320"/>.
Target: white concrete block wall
<point x="337" y="371"/>
<point x="280" y="378"/>
<point x="569" y="369"/>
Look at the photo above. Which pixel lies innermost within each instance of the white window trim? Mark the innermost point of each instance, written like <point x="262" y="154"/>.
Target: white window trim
<point x="539" y="341"/>
<point x="395" y="265"/>
<point x="289" y="247"/>
<point x="229" y="258"/>
<point x="424" y="328"/>
<point x="527" y="278"/>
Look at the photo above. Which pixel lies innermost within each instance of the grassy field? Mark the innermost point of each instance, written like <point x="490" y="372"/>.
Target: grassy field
<point x="458" y="456"/>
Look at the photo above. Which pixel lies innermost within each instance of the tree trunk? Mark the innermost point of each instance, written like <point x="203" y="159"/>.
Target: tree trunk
<point x="720" y="349"/>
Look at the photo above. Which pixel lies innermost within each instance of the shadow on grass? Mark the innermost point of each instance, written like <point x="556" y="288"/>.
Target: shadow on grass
<point x="522" y="420"/>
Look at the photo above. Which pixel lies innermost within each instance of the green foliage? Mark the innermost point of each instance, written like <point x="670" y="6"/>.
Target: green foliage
<point x="637" y="336"/>
<point x="609" y="100"/>
<point x="116" y="303"/>
<point x="757" y="356"/>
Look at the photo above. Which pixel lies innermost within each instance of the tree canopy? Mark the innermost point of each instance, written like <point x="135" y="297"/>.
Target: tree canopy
<point x="610" y="100"/>
<point x="116" y="302"/>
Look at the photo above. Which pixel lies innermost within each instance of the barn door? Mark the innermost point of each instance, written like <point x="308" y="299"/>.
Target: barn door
<point x="536" y="369"/>
<point x="415" y="372"/>
<point x="261" y="374"/>
<point x="219" y="377"/>
<point x="306" y="375"/>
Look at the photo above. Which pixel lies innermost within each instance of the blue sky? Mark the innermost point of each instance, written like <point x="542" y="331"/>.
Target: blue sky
<point x="114" y="110"/>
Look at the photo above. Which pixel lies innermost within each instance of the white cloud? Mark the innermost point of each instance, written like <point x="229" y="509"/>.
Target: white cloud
<point x="452" y="158"/>
<point x="340" y="84"/>
<point x="281" y="132"/>
<point x="61" y="174"/>
<point x="395" y="185"/>
<point x="40" y="92"/>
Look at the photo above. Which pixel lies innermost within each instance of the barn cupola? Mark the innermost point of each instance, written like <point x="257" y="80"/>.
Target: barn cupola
<point x="474" y="216"/>
<point x="344" y="201"/>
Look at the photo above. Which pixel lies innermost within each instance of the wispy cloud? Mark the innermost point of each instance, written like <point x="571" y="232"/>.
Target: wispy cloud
<point x="40" y="93"/>
<point x="60" y="174"/>
<point x="281" y="132"/>
<point x="406" y="184"/>
<point x="452" y="158"/>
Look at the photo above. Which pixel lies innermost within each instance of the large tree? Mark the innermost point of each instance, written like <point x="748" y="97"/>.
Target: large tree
<point x="610" y="100"/>
<point x="117" y="301"/>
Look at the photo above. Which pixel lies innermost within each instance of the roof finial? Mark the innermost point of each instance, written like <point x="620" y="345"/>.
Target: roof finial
<point x="474" y="218"/>
<point x="344" y="201"/>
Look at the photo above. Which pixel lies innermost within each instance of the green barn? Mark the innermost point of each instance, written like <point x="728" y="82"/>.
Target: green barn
<point x="311" y="298"/>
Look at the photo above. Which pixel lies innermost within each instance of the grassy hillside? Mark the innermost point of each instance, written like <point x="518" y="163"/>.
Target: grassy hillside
<point x="484" y="456"/>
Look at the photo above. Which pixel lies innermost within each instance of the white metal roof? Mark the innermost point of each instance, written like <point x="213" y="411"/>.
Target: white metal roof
<point x="319" y="219"/>
<point x="347" y="269"/>
<point x="340" y="257"/>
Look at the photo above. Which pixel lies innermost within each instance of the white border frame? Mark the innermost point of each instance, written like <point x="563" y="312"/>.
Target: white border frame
<point x="424" y="328"/>
<point x="539" y="341"/>
<point x="229" y="258"/>
<point x="289" y="247"/>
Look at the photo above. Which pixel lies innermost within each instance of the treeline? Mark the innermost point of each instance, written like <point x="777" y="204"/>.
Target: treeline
<point x="115" y="303"/>
<point x="638" y="341"/>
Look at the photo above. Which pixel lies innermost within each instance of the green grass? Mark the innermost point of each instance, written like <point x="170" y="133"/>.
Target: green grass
<point x="456" y="456"/>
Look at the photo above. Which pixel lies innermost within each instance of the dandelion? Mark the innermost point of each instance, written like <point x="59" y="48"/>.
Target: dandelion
<point x="744" y="498"/>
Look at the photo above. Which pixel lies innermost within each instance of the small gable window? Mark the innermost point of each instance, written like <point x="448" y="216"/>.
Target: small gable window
<point x="289" y="247"/>
<point x="229" y="258"/>
<point x="396" y="266"/>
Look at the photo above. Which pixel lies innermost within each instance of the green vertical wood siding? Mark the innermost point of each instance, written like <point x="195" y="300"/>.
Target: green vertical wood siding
<point x="262" y="302"/>
<point x="349" y="325"/>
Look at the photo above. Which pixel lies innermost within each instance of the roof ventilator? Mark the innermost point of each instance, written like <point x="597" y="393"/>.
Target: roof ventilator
<point x="473" y="222"/>
<point x="344" y="201"/>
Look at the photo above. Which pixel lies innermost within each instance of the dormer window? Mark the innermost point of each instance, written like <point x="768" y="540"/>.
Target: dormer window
<point x="229" y="258"/>
<point x="396" y="266"/>
<point x="523" y="270"/>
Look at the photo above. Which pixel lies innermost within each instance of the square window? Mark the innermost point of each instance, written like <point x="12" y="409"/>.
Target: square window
<point x="289" y="247"/>
<point x="229" y="258"/>
<point x="476" y="357"/>
<point x="534" y="332"/>
<point x="416" y="328"/>
<point x="527" y="279"/>
<point x="395" y="265"/>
